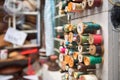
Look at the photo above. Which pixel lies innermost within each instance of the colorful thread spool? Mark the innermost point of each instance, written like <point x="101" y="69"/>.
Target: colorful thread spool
<point x="71" y="51"/>
<point x="75" y="63"/>
<point x="98" y="3"/>
<point x="78" y="39"/>
<point x="95" y="39"/>
<point x="91" y="3"/>
<point x="94" y="3"/>
<point x="69" y="7"/>
<point x="77" y="74"/>
<point x="96" y="50"/>
<point x="87" y="27"/>
<point x="77" y="7"/>
<point x="62" y="50"/>
<point x="84" y="39"/>
<point x="92" y="60"/>
<point x="75" y="37"/>
<point x="81" y="28"/>
<point x="83" y="68"/>
<point x="74" y="29"/>
<point x="84" y="48"/>
<point x="84" y="4"/>
<point x="67" y="43"/>
<point x="70" y="37"/>
<point x="88" y="77"/>
<point x="91" y="25"/>
<point x="67" y="59"/>
<point x="66" y="51"/>
<point x="66" y="37"/>
<point x="73" y="46"/>
<point x="75" y="55"/>
<point x="68" y="28"/>
<point x="71" y="62"/>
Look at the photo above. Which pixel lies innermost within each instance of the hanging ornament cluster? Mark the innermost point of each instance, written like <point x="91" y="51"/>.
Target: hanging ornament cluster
<point x="81" y="50"/>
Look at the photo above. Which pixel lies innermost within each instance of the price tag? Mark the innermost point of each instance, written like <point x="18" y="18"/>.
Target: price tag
<point x="15" y="36"/>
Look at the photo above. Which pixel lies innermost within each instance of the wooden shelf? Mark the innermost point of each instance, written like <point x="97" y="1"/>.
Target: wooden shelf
<point x="23" y="46"/>
<point x="30" y="31"/>
<point x="30" y="13"/>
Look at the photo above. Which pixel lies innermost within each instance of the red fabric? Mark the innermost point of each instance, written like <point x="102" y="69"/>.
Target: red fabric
<point x="30" y="51"/>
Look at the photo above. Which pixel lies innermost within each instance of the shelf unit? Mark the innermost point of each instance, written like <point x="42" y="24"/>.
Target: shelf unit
<point x="36" y="31"/>
<point x="32" y="41"/>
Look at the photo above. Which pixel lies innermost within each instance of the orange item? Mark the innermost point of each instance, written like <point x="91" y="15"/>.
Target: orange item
<point x="30" y="51"/>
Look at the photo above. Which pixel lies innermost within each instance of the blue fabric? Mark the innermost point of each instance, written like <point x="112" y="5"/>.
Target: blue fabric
<point x="49" y="13"/>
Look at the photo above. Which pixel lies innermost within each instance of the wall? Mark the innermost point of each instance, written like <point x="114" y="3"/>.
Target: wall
<point x="114" y="47"/>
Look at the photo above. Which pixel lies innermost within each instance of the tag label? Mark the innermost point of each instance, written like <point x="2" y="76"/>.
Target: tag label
<point x="15" y="36"/>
